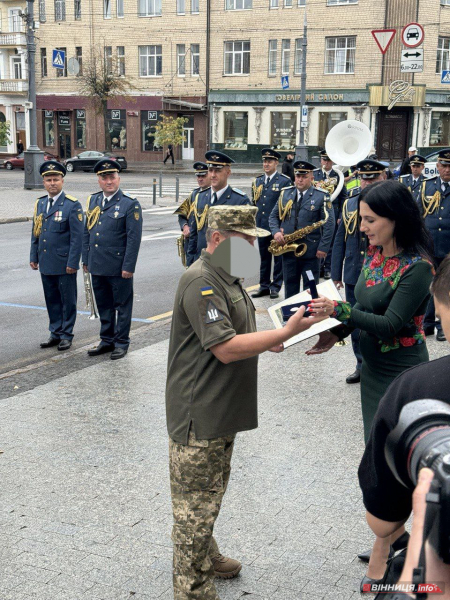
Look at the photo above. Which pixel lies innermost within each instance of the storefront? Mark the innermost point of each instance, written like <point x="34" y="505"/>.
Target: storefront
<point x="15" y="114"/>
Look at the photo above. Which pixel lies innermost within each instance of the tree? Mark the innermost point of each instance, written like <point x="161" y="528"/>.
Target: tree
<point x="169" y="130"/>
<point x="4" y="133"/>
<point x="100" y="82"/>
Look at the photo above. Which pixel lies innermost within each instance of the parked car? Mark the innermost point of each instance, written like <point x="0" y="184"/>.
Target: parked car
<point x="85" y="161"/>
<point x="18" y="162"/>
<point x="430" y="169"/>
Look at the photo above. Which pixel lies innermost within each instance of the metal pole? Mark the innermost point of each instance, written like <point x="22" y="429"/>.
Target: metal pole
<point x="154" y="191"/>
<point x="34" y="157"/>
<point x="177" y="189"/>
<point x="301" y="152"/>
<point x="160" y="184"/>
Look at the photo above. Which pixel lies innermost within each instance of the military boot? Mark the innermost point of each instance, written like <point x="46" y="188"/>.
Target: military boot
<point x="225" y="568"/>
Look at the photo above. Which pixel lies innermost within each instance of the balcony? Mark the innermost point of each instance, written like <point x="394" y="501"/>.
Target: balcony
<point x="12" y="39"/>
<point x="13" y="86"/>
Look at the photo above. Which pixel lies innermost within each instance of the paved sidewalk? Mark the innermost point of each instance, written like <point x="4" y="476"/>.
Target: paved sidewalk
<point x="84" y="497"/>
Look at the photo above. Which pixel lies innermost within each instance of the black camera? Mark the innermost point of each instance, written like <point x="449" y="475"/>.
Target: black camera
<point x="421" y="439"/>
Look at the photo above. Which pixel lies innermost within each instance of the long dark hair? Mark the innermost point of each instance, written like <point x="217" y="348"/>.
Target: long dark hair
<point x="393" y="200"/>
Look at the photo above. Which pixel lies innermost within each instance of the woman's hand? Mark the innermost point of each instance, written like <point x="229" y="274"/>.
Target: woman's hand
<point x="322" y="306"/>
<point x="325" y="342"/>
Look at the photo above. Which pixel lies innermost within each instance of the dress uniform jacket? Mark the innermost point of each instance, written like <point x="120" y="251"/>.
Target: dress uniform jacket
<point x="415" y="187"/>
<point x="266" y="196"/>
<point x="59" y="244"/>
<point x="311" y="211"/>
<point x="197" y="239"/>
<point x="338" y="203"/>
<point x="436" y="212"/>
<point x="112" y="245"/>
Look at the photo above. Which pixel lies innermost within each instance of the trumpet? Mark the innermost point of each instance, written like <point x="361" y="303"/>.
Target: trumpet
<point x="289" y="245"/>
<point x="91" y="304"/>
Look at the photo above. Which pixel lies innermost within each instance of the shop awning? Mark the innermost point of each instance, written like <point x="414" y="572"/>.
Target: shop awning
<point x="184" y="104"/>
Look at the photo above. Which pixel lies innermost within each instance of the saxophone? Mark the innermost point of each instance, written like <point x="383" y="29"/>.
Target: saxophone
<point x="289" y="245"/>
<point x="181" y="250"/>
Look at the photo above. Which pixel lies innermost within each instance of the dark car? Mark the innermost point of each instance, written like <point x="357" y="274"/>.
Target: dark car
<point x="18" y="162"/>
<point x="86" y="161"/>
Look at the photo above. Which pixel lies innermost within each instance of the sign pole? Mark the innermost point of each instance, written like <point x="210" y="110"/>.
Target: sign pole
<point x="301" y="151"/>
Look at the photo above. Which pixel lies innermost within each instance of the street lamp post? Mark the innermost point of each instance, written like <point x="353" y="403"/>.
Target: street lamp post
<point x="34" y="157"/>
<point x="301" y="151"/>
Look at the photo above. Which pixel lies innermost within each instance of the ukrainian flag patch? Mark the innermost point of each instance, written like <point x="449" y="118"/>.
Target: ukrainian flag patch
<point x="207" y="291"/>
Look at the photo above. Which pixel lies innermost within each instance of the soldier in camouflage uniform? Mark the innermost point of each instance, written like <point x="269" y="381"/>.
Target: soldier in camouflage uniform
<point x="211" y="395"/>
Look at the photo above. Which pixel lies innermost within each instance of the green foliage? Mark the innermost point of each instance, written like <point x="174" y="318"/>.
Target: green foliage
<point x="169" y="130"/>
<point x="4" y="133"/>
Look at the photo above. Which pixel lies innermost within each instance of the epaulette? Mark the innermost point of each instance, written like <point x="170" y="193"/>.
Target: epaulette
<point x="284" y="176"/>
<point x="288" y="187"/>
<point x="431" y="178"/>
<point x="323" y="191"/>
<point x="71" y="198"/>
<point x="354" y="192"/>
<point x="238" y="191"/>
<point x="42" y="197"/>
<point x="127" y="196"/>
<point x="317" y="169"/>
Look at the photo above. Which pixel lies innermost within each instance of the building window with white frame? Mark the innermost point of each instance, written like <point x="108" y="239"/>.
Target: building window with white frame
<point x="340" y="55"/>
<point x="15" y="19"/>
<point x="43" y="62"/>
<point x="106" y="9"/>
<point x="445" y="2"/>
<point x="237" y="58"/>
<point x="181" y="60"/>
<point x="79" y="57"/>
<point x="443" y="54"/>
<point x="236" y="130"/>
<point x="60" y="10"/>
<point x="150" y="61"/>
<point x="301" y="2"/>
<point x="42" y="17"/>
<point x="181" y="9"/>
<point x="238" y="4"/>
<point x="287" y="3"/>
<point x="285" y="56"/>
<point x="195" y="59"/>
<point x="108" y="60"/>
<point x="150" y="8"/>
<point x="195" y="7"/>
<point x="273" y="57"/>
<point x="120" y="9"/>
<point x="273" y="3"/>
<point x="337" y="2"/>
<point x="16" y="67"/>
<point x="298" y="56"/>
<point x="77" y="10"/>
<point x="121" y="61"/>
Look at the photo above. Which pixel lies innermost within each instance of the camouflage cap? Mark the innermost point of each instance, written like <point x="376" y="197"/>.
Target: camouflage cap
<point x="236" y="218"/>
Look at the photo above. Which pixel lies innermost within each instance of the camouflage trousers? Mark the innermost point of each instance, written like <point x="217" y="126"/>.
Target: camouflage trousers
<point x="199" y="474"/>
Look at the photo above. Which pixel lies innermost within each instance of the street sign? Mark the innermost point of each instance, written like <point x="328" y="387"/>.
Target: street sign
<point x="58" y="59"/>
<point x="412" y="60"/>
<point x="73" y="66"/>
<point x="413" y="35"/>
<point x="383" y="38"/>
<point x="304" y="119"/>
<point x="445" y="77"/>
<point x="285" y="82"/>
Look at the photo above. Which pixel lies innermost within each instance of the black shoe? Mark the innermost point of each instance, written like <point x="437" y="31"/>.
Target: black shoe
<point x="428" y="330"/>
<point x="354" y="377"/>
<point x="368" y="581"/>
<point x="101" y="349"/>
<point x="260" y="293"/>
<point x="399" y="544"/>
<point x="118" y="353"/>
<point x="50" y="342"/>
<point x="327" y="275"/>
<point x="274" y="294"/>
<point x="440" y="336"/>
<point x="64" y="344"/>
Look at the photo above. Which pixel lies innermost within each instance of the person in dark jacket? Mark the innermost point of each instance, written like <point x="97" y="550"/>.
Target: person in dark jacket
<point x="287" y="168"/>
<point x="169" y="154"/>
<point x="20" y="147"/>
<point x="405" y="169"/>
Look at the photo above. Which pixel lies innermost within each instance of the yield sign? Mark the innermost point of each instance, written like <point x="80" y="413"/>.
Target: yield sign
<point x="383" y="38"/>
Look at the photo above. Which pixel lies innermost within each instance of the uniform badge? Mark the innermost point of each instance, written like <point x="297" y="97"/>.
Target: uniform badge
<point x="329" y="204"/>
<point x="58" y="215"/>
<point x="213" y="314"/>
<point x="136" y="216"/>
<point x="116" y="214"/>
<point x="207" y="291"/>
<point x="275" y="187"/>
<point x="80" y="217"/>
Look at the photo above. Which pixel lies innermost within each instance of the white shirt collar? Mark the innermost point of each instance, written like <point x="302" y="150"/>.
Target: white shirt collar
<point x="219" y="193"/>
<point x="55" y="198"/>
<point x="268" y="176"/>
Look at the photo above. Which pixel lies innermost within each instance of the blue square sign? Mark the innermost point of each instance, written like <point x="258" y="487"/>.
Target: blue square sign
<point x="59" y="59"/>
<point x="445" y="77"/>
<point x="285" y="82"/>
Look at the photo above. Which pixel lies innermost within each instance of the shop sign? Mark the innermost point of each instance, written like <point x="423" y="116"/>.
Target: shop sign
<point x="399" y="92"/>
<point x="49" y="114"/>
<point x="81" y="114"/>
<point x="152" y="115"/>
<point x="63" y="120"/>
<point x="115" y="114"/>
<point x="132" y="113"/>
<point x="314" y="97"/>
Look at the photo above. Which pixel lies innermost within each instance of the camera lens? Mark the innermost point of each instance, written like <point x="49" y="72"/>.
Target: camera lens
<point x="429" y="449"/>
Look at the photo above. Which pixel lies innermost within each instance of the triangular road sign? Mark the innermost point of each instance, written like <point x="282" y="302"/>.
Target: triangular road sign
<point x="58" y="59"/>
<point x="383" y="38"/>
<point x="445" y="77"/>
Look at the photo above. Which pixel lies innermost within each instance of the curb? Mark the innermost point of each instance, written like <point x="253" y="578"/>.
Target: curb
<point x="15" y="220"/>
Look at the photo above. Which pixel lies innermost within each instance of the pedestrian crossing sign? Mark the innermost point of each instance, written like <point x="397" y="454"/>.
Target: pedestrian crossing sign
<point x="285" y="82"/>
<point x="445" y="77"/>
<point x="59" y="59"/>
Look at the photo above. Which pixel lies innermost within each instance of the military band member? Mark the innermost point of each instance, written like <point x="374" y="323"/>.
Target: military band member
<point x="56" y="241"/>
<point x="414" y="181"/>
<point x="435" y="200"/>
<point x="300" y="206"/>
<point x="219" y="169"/>
<point x="184" y="211"/>
<point x="265" y="192"/>
<point x="349" y="247"/>
<point x="112" y="237"/>
<point x="329" y="176"/>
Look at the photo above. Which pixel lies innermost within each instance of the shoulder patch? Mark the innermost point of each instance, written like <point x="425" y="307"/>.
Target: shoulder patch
<point x="432" y="178"/>
<point x="213" y="314"/>
<point x="42" y="197"/>
<point x="71" y="198"/>
<point x="127" y="196"/>
<point x="238" y="191"/>
<point x="284" y="176"/>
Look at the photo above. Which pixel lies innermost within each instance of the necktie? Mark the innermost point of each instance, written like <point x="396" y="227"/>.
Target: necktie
<point x="214" y="198"/>
<point x="267" y="180"/>
<point x="300" y="198"/>
<point x="104" y="202"/>
<point x="50" y="204"/>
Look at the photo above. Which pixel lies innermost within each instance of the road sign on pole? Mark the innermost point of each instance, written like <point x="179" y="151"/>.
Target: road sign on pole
<point x="285" y="82"/>
<point x="413" y="35"/>
<point x="445" y="77"/>
<point x="412" y="60"/>
<point x="383" y="38"/>
<point x="304" y="119"/>
<point x="59" y="59"/>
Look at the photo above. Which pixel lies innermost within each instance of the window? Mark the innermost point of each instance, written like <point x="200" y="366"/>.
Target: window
<point x="272" y="57"/>
<point x="43" y="62"/>
<point x="117" y="126"/>
<point x="285" y="56"/>
<point x="445" y="2"/>
<point x="42" y="17"/>
<point x="181" y="7"/>
<point x="340" y="54"/>
<point x="440" y="128"/>
<point x="149" y="8"/>
<point x="273" y="3"/>
<point x="149" y="118"/>
<point x="106" y="9"/>
<point x="443" y="53"/>
<point x="236" y="130"/>
<point x="16" y="63"/>
<point x="60" y="10"/>
<point x="283" y="130"/>
<point x="336" y="2"/>
<point x="121" y="61"/>
<point x="79" y="57"/>
<point x="77" y="9"/>
<point x="120" y="9"/>
<point x="302" y="2"/>
<point x="80" y="128"/>
<point x="15" y="19"/>
<point x="237" y="58"/>
<point x="49" y="129"/>
<point x="150" y="61"/>
<point x="195" y="7"/>
<point x="327" y="120"/>
<point x="108" y="60"/>
<point x="298" y="56"/>
<point x="62" y="72"/>
<point x="287" y="3"/>
<point x="181" y="59"/>
<point x="195" y="59"/>
<point x="238" y="4"/>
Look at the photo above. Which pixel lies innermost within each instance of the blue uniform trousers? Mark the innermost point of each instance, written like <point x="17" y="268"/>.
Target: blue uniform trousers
<point x="430" y="314"/>
<point x="327" y="261"/>
<point x="60" y="293"/>
<point x="265" y="271"/>
<point x="294" y="268"/>
<point x="114" y="297"/>
<point x="350" y="297"/>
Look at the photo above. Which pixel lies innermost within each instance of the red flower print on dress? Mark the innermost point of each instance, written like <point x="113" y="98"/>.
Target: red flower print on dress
<point x="392" y="264"/>
<point x="407" y="341"/>
<point x="377" y="260"/>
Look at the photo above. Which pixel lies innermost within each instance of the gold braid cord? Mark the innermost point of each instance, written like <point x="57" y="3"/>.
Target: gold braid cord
<point x="350" y="220"/>
<point x="185" y="207"/>
<point x="431" y="203"/>
<point x="282" y="212"/>
<point x="37" y="221"/>
<point x="200" y="219"/>
<point x="257" y="191"/>
<point x="91" y="215"/>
